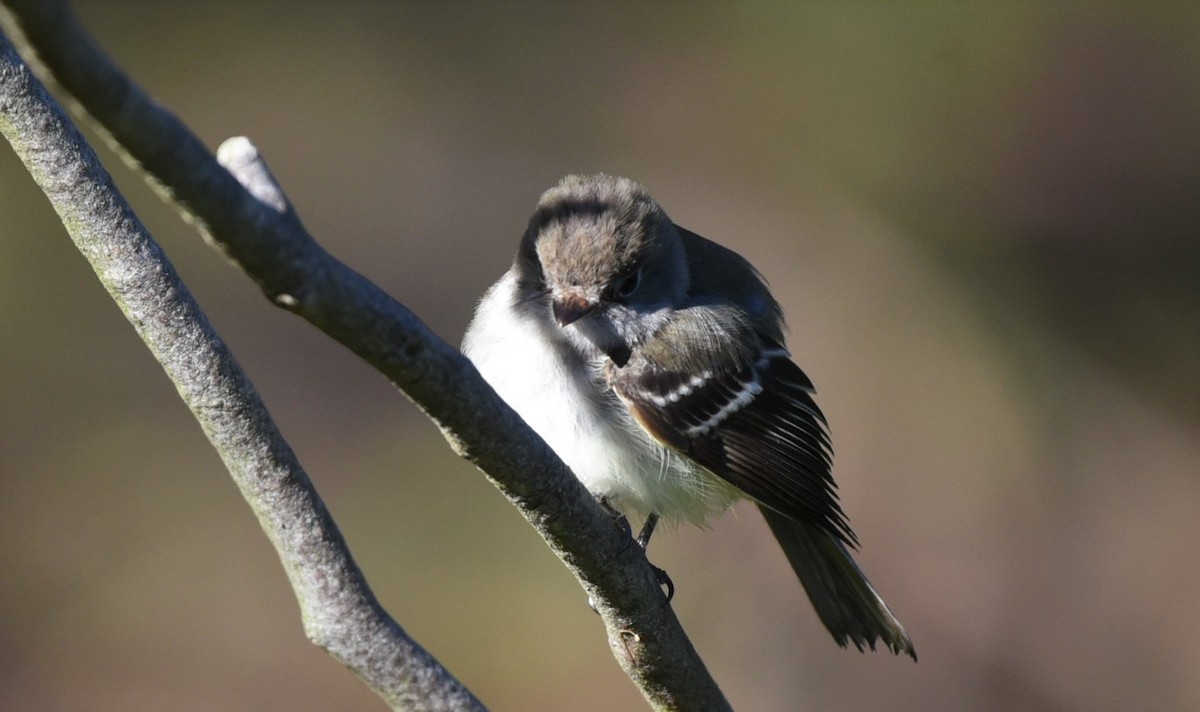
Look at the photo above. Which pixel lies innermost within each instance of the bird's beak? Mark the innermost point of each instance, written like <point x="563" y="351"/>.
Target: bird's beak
<point x="571" y="307"/>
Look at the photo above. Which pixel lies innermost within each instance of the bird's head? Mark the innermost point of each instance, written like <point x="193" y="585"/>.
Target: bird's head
<point x="607" y="259"/>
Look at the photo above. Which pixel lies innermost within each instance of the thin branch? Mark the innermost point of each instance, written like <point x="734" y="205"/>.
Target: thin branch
<point x="339" y="610"/>
<point x="298" y="275"/>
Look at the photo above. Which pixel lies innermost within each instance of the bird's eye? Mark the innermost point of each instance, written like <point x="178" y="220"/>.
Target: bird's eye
<point x="629" y="283"/>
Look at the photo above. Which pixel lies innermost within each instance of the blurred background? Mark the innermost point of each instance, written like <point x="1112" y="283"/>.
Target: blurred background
<point x="982" y="223"/>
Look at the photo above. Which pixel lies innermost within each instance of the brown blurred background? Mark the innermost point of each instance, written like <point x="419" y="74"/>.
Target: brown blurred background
<point x="983" y="225"/>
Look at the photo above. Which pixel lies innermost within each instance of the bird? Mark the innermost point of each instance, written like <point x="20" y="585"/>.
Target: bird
<point x="653" y="362"/>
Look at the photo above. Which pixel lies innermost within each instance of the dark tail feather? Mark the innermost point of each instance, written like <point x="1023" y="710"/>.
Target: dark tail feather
<point x="844" y="599"/>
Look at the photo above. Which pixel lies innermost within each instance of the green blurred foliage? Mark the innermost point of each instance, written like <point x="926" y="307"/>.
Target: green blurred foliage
<point x="980" y="218"/>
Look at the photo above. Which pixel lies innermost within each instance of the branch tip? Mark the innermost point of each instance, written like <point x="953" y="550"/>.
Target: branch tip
<point x="241" y="158"/>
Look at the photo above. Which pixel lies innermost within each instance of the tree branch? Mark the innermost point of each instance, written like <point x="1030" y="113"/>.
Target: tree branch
<point x="339" y="610"/>
<point x="267" y="239"/>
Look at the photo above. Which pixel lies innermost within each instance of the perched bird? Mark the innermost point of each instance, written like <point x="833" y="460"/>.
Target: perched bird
<point x="652" y="361"/>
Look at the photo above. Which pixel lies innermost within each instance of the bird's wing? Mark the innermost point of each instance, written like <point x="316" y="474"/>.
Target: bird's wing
<point x="731" y="400"/>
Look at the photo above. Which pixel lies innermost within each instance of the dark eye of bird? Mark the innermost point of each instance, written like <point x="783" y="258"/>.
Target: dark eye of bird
<point x="629" y="283"/>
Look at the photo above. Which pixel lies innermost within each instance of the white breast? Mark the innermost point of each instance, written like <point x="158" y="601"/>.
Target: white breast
<point x="560" y="397"/>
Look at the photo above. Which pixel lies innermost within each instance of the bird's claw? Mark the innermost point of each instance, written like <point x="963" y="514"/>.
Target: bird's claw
<point x="642" y="539"/>
<point x="621" y="520"/>
<point x="664" y="581"/>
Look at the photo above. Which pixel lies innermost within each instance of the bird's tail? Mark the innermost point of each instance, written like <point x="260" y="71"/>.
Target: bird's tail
<point x="844" y="599"/>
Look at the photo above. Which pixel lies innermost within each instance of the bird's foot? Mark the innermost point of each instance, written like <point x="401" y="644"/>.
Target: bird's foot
<point x="643" y="540"/>
<point x="621" y="520"/>
<point x="664" y="581"/>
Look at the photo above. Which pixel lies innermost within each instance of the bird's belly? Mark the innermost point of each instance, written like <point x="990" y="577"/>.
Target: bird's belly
<point x="593" y="434"/>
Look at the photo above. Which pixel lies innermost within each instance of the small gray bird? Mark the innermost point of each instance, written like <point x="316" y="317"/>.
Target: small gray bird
<point x="652" y="361"/>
